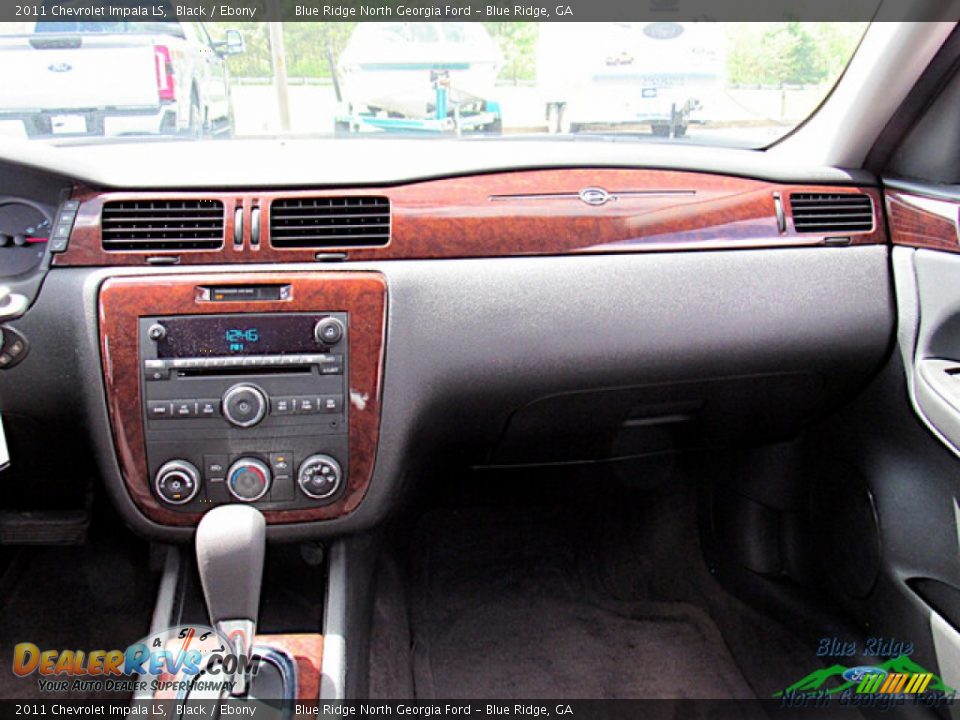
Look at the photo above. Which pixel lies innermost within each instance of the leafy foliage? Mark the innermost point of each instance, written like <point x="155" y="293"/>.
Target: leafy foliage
<point x="790" y="53"/>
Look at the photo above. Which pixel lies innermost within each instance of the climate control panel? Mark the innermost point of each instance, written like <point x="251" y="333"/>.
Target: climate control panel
<point x="246" y="408"/>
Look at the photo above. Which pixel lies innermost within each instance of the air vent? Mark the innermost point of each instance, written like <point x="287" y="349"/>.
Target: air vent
<point x="831" y="212"/>
<point x="330" y="222"/>
<point x="162" y="225"/>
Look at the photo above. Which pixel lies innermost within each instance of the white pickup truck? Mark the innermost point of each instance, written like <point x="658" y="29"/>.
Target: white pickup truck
<point x="116" y="78"/>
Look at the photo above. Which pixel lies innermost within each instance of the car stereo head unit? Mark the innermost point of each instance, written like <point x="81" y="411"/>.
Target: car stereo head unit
<point x="245" y="408"/>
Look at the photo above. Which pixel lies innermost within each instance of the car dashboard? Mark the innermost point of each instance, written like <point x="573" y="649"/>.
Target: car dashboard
<point x="309" y="350"/>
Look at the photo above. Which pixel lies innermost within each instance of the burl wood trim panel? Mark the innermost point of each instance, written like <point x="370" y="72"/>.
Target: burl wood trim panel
<point x="307" y="652"/>
<point x="923" y="222"/>
<point x="124" y="300"/>
<point x="533" y="212"/>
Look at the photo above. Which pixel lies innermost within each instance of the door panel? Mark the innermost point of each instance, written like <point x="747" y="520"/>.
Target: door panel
<point x="928" y="292"/>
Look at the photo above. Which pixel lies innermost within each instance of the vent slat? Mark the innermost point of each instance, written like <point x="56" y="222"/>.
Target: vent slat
<point x="162" y="225"/>
<point x="825" y="212"/>
<point x="330" y="222"/>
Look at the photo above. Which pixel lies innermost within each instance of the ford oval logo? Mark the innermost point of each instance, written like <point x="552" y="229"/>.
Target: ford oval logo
<point x="663" y="30"/>
<point x="595" y="196"/>
<point x="60" y="67"/>
<point x="856" y="674"/>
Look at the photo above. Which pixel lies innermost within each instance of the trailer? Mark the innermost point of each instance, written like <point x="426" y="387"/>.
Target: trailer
<point x="418" y="77"/>
<point x="448" y="117"/>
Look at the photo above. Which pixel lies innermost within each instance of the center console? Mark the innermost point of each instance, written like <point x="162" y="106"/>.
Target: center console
<point x="246" y="408"/>
<point x="257" y="388"/>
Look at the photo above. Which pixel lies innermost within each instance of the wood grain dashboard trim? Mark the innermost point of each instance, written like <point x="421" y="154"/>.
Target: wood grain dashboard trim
<point x="537" y="212"/>
<point x="124" y="300"/>
<point x="923" y="222"/>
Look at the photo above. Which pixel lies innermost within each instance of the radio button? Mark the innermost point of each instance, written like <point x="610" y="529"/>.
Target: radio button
<point x="208" y="408"/>
<point x="331" y="369"/>
<point x="156" y="370"/>
<point x="159" y="410"/>
<point x="328" y="331"/>
<point x="331" y="403"/>
<point x="283" y="406"/>
<point x="184" y="408"/>
<point x="307" y="405"/>
<point x="244" y="405"/>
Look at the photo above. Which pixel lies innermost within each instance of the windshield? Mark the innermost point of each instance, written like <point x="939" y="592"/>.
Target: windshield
<point x="744" y="84"/>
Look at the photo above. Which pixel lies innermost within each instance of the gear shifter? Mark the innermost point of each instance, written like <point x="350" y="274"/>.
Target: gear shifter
<point x="230" y="549"/>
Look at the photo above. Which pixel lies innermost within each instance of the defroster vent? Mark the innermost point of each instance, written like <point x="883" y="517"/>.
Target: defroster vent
<point x="831" y="212"/>
<point x="325" y="222"/>
<point x="162" y="224"/>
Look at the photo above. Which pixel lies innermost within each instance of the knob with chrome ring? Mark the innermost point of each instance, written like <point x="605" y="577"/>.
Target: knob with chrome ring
<point x="248" y="479"/>
<point x="244" y="405"/>
<point x="177" y="482"/>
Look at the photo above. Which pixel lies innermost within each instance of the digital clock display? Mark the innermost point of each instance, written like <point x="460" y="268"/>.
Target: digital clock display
<point x="224" y="335"/>
<point x="239" y="338"/>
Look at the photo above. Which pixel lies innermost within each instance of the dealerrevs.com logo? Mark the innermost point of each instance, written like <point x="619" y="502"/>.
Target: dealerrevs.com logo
<point x="167" y="661"/>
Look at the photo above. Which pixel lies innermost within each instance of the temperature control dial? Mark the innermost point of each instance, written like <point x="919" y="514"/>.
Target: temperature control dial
<point x="319" y="476"/>
<point x="244" y="405"/>
<point x="177" y="482"/>
<point x="248" y="479"/>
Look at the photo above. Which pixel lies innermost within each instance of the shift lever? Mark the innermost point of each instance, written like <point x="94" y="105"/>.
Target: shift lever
<point x="230" y="548"/>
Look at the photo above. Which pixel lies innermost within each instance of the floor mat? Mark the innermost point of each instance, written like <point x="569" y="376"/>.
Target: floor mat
<point x="498" y="610"/>
<point x="95" y="596"/>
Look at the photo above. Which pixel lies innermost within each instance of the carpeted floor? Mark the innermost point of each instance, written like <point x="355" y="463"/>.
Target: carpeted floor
<point x="96" y="596"/>
<point x="567" y="598"/>
<point x="500" y="612"/>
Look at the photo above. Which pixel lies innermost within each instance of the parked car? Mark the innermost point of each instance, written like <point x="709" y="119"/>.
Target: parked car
<point x="116" y="78"/>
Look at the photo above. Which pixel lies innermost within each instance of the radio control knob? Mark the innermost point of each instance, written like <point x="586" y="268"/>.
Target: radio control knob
<point x="328" y="331"/>
<point x="248" y="479"/>
<point x="177" y="482"/>
<point x="319" y="477"/>
<point x="244" y="405"/>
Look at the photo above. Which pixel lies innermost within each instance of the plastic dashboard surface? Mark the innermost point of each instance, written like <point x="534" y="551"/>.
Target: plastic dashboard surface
<point x="534" y="212"/>
<point x="124" y="300"/>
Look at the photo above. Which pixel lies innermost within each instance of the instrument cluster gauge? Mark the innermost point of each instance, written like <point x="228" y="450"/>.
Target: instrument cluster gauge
<point x="24" y="233"/>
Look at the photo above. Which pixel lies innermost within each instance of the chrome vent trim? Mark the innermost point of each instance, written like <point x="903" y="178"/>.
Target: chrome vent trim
<point x="162" y="225"/>
<point x="831" y="212"/>
<point x="328" y="222"/>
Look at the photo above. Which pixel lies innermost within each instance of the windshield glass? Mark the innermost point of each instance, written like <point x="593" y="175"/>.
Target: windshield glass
<point x="745" y="84"/>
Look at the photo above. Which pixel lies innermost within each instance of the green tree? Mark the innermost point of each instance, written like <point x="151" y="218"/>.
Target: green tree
<point x="518" y="43"/>
<point x="789" y="52"/>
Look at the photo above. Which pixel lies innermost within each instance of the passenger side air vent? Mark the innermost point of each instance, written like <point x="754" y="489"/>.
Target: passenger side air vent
<point x="162" y="225"/>
<point x="330" y="222"/>
<point x="831" y="212"/>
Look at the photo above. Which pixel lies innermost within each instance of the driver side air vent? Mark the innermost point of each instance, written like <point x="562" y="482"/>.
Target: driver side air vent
<point x="831" y="212"/>
<point x="162" y="225"/>
<point x="325" y="222"/>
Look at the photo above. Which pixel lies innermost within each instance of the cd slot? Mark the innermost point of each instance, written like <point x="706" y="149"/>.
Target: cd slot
<point x="230" y="371"/>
